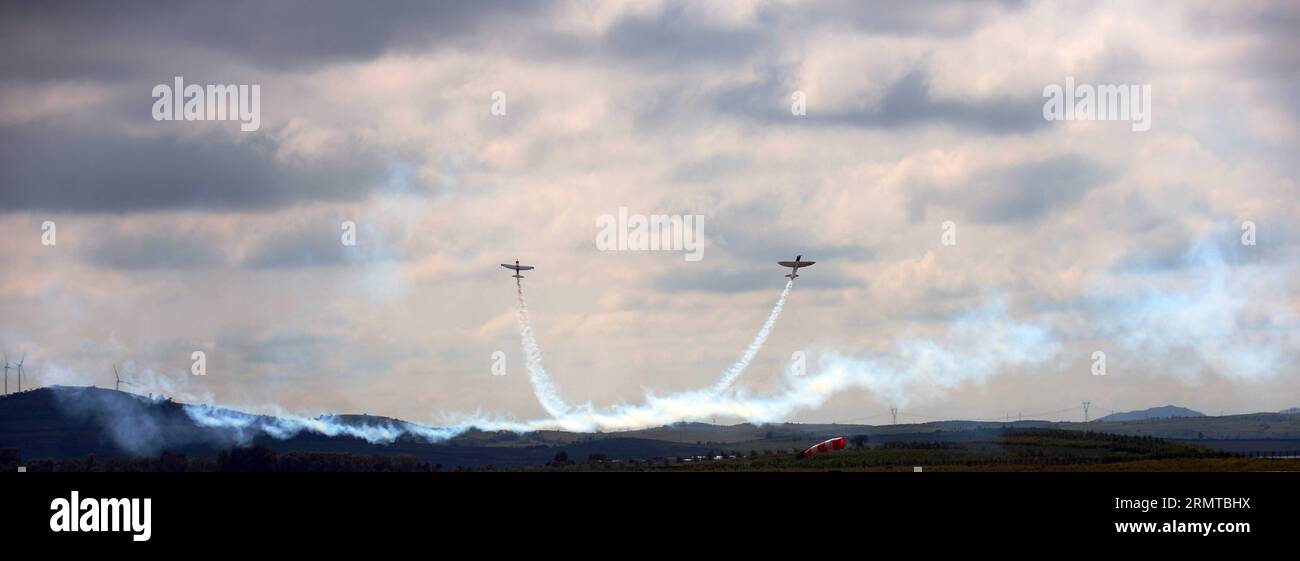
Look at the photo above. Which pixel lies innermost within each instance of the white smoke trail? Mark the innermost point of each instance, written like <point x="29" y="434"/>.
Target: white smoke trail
<point x="281" y="425"/>
<point x="976" y="347"/>
<point x="543" y="387"/>
<point x="1204" y="317"/>
<point x="660" y="410"/>
<point x="1215" y="320"/>
<point x="731" y="374"/>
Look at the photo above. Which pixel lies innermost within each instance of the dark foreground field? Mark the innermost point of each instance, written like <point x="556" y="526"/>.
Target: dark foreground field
<point x="1016" y="450"/>
<point x="91" y="429"/>
<point x="1021" y="450"/>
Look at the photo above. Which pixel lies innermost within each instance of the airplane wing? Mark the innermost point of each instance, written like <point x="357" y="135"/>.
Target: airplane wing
<point x="525" y="268"/>
<point x="790" y="263"/>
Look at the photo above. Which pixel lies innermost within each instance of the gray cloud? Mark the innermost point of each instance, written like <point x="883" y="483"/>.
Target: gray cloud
<point x="108" y="41"/>
<point x="155" y="250"/>
<point x="709" y="168"/>
<point x="291" y="351"/>
<point x="1028" y="192"/>
<point x="943" y="17"/>
<point x="753" y="231"/>
<point x="712" y="280"/>
<point x="907" y="102"/>
<point x="676" y="36"/>
<point x="57" y="167"/>
<point x="672" y="36"/>
<point x="1022" y="193"/>
<point x="318" y="244"/>
<point x="1274" y="243"/>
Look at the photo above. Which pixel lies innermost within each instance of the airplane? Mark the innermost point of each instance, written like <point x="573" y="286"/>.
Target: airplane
<point x="795" y="265"/>
<point x="517" y="267"/>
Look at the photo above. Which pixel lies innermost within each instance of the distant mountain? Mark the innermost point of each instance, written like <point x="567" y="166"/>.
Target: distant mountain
<point x="71" y="422"/>
<point x="1166" y="412"/>
<point x="1291" y="411"/>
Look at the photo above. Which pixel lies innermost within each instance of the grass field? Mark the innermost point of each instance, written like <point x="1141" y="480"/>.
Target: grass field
<point x="1022" y="450"/>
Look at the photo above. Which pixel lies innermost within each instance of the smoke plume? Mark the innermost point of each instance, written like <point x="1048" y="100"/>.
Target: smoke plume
<point x="731" y="374"/>
<point x="543" y="387"/>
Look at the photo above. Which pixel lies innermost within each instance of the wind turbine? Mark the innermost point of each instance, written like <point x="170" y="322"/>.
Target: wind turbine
<point x="118" y="381"/>
<point x="6" y="373"/>
<point x="20" y="372"/>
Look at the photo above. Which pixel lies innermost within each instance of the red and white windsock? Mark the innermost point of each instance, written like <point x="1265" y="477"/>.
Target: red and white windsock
<point x="836" y="443"/>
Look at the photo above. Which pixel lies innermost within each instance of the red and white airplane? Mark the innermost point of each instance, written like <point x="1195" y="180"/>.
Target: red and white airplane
<point x="795" y="265"/>
<point x="517" y="267"/>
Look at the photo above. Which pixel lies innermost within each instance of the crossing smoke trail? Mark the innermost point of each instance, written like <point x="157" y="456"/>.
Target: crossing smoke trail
<point x="1211" y="314"/>
<point x="731" y="374"/>
<point x="549" y="396"/>
<point x="657" y="410"/>
<point x="543" y="387"/>
<point x="977" y="346"/>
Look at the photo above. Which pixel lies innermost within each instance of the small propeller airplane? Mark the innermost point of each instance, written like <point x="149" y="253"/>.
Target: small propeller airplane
<point x="798" y="262"/>
<point x="517" y="267"/>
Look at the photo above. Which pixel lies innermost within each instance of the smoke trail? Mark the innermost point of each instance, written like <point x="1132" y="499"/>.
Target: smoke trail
<point x="976" y="347"/>
<point x="281" y="425"/>
<point x="1203" y="316"/>
<point x="661" y="410"/>
<point x="731" y="374"/>
<point x="543" y="387"/>
<point x="1235" y="322"/>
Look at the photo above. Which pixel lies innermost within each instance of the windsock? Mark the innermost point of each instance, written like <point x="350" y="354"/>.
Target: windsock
<point x="836" y="443"/>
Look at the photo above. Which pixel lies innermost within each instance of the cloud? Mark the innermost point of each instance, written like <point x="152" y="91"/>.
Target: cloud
<point x="708" y="169"/>
<point x="66" y="168"/>
<point x="320" y="246"/>
<point x="907" y="102"/>
<point x="676" y="36"/>
<point x="1019" y="193"/>
<point x="694" y="280"/>
<point x="1029" y="191"/>
<point x="916" y="113"/>
<point x="155" y="250"/>
<point x="945" y="17"/>
<point x="76" y="40"/>
<point x="761" y="230"/>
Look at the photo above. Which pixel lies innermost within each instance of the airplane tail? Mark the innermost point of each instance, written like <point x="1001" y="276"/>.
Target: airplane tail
<point x="792" y="276"/>
<point x="518" y="276"/>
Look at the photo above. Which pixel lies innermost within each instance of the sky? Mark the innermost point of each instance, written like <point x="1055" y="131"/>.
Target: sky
<point x="1072" y="237"/>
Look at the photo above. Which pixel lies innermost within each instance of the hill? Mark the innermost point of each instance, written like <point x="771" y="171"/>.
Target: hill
<point x="70" y="423"/>
<point x="1166" y="412"/>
